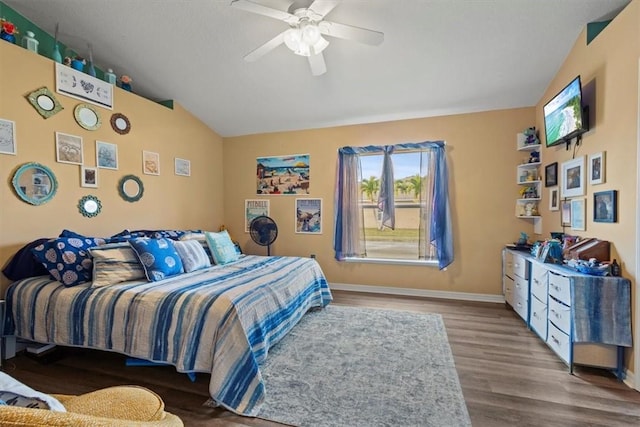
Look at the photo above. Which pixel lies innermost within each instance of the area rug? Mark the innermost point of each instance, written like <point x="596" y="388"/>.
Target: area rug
<point x="348" y="366"/>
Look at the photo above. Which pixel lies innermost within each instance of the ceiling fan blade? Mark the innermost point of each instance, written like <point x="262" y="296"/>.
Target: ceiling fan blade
<point x="350" y="32"/>
<point x="265" y="48"/>
<point x="323" y="7"/>
<point x="250" y="6"/>
<point x="318" y="66"/>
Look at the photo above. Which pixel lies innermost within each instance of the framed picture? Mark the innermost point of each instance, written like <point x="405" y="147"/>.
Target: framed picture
<point x="88" y="177"/>
<point x="69" y="149"/>
<point x="578" y="214"/>
<point x="283" y="175"/>
<point x="253" y="209"/>
<point x="605" y="206"/>
<point x="309" y="216"/>
<point x="565" y="206"/>
<point x="150" y="163"/>
<point x="8" y="137"/>
<point x="596" y="168"/>
<point x="84" y="87"/>
<point x="554" y="199"/>
<point x="182" y="167"/>
<point x="573" y="177"/>
<point x="551" y="175"/>
<point x="106" y="155"/>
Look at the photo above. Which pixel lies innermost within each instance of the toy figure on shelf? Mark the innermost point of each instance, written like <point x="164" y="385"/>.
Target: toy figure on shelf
<point x="125" y="83"/>
<point x="8" y="31"/>
<point x="531" y="136"/>
<point x="534" y="157"/>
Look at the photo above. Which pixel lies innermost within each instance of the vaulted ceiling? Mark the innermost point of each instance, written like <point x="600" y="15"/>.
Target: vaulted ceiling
<point x="438" y="56"/>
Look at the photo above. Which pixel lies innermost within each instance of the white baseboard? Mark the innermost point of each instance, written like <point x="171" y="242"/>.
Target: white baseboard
<point x="465" y="296"/>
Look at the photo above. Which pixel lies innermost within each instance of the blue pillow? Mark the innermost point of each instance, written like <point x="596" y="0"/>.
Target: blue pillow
<point x="94" y="241"/>
<point x="24" y="265"/>
<point x="67" y="259"/>
<point x="222" y="248"/>
<point x="158" y="257"/>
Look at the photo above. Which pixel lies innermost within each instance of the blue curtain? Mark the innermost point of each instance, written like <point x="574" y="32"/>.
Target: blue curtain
<point x="435" y="224"/>
<point x="386" y="198"/>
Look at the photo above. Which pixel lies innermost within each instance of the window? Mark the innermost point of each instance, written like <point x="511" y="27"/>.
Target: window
<point x="392" y="204"/>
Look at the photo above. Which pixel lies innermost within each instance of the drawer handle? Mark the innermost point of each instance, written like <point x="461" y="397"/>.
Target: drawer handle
<point x="536" y="281"/>
<point x="535" y="314"/>
<point x="555" y="313"/>
<point x="557" y="288"/>
<point x="556" y="340"/>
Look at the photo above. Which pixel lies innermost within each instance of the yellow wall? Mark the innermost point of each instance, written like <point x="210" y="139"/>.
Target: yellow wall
<point x="482" y="167"/>
<point x="169" y="201"/>
<point x="608" y="67"/>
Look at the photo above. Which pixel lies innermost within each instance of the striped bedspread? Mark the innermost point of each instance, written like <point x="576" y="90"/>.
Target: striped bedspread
<point x="221" y="320"/>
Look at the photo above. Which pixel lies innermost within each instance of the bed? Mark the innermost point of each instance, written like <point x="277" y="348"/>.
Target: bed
<point x="220" y="320"/>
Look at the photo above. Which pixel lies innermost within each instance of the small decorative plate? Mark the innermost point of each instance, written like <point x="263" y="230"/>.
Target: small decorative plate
<point x="89" y="206"/>
<point x="120" y="123"/>
<point x="44" y="102"/>
<point x="87" y="116"/>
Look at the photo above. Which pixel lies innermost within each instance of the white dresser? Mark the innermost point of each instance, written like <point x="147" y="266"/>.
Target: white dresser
<point x="566" y="309"/>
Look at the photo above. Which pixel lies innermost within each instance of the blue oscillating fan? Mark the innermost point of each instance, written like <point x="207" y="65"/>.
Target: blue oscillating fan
<point x="263" y="231"/>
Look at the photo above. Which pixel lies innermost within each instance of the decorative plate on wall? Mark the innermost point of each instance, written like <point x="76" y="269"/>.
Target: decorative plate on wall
<point x="87" y="116"/>
<point x="44" y="102"/>
<point x="89" y="206"/>
<point x="120" y="123"/>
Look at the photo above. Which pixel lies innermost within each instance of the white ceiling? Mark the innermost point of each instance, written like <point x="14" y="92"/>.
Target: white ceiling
<point x="438" y="56"/>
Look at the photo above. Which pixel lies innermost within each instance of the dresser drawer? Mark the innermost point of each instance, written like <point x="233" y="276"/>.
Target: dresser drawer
<point x="560" y="288"/>
<point x="538" y="320"/>
<point x="508" y="289"/>
<point x="521" y="287"/>
<point x="520" y="265"/>
<point x="560" y="315"/>
<point x="508" y="264"/>
<point x="559" y="342"/>
<point x="521" y="305"/>
<point x="539" y="281"/>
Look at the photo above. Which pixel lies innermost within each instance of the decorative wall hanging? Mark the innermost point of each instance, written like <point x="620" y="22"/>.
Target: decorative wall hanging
<point x="87" y="116"/>
<point x="120" y="123"/>
<point x="573" y="177"/>
<point x="597" y="168"/>
<point x="44" y="102"/>
<point x="309" y="216"/>
<point x="565" y="207"/>
<point x="89" y="206"/>
<point x="578" y="214"/>
<point x="8" y="137"/>
<point x="35" y="183"/>
<point x="69" y="149"/>
<point x="554" y="199"/>
<point x="150" y="163"/>
<point x="88" y="177"/>
<point x="605" y="206"/>
<point x="182" y="167"/>
<point x="84" y="87"/>
<point x="130" y="188"/>
<point x="106" y="155"/>
<point x="254" y="209"/>
<point x="551" y="175"/>
<point x="283" y="174"/>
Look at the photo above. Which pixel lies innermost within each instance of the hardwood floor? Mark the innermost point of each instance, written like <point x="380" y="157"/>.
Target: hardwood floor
<point x="508" y="376"/>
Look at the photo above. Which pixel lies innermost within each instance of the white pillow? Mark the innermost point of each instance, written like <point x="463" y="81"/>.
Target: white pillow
<point x="8" y="383"/>
<point x="192" y="255"/>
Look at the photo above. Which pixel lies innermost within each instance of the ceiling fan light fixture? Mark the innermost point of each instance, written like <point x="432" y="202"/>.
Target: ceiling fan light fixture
<point x="320" y="45"/>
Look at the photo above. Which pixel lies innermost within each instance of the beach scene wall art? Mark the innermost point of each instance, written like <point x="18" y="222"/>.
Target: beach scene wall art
<point x="280" y="175"/>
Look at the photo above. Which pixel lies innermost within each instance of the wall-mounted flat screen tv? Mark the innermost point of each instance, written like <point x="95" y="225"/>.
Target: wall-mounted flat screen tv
<point x="564" y="115"/>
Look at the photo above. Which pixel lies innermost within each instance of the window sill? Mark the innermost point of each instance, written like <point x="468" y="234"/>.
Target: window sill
<point x="427" y="263"/>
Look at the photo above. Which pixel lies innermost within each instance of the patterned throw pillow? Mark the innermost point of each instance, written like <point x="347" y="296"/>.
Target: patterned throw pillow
<point x="114" y="263"/>
<point x="67" y="259"/>
<point x="202" y="239"/>
<point x="158" y="257"/>
<point x="192" y="255"/>
<point x="8" y="384"/>
<point x="94" y="241"/>
<point x="222" y="248"/>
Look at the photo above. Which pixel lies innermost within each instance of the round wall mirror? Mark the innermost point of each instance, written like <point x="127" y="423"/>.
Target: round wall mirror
<point x="130" y="188"/>
<point x="35" y="183"/>
<point x="87" y="116"/>
<point x="120" y="123"/>
<point x="45" y="102"/>
<point x="89" y="206"/>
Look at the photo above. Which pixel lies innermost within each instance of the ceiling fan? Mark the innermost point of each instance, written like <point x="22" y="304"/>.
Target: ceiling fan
<point x="307" y="27"/>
